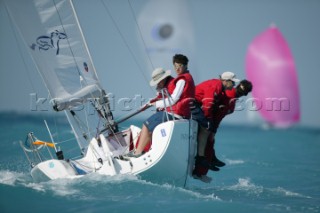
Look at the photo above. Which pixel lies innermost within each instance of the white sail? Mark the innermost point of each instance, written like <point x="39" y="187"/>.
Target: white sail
<point x="165" y="28"/>
<point x="54" y="38"/>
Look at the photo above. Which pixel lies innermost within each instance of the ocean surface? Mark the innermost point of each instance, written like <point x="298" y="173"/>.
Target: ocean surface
<point x="268" y="170"/>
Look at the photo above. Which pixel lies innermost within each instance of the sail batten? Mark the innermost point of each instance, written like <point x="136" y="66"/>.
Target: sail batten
<point x="56" y="44"/>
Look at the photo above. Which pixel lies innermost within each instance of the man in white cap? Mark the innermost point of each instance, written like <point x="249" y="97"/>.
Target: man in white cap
<point x="207" y="97"/>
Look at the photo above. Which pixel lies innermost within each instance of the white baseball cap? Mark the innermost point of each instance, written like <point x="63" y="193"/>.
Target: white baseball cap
<point x="229" y="76"/>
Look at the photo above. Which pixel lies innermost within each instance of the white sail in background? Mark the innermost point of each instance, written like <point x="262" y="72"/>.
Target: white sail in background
<point x="166" y="29"/>
<point x="56" y="44"/>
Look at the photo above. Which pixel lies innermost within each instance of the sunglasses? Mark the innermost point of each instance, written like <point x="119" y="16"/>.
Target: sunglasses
<point x="177" y="66"/>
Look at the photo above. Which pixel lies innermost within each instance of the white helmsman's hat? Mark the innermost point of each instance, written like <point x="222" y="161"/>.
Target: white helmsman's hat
<point x="158" y="75"/>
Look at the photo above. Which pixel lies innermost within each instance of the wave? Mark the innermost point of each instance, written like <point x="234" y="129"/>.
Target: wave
<point x="282" y="191"/>
<point x="234" y="162"/>
<point x="10" y="178"/>
<point x="247" y="186"/>
<point x="97" y="187"/>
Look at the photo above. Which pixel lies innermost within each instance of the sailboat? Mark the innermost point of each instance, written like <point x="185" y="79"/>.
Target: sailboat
<point x="53" y="36"/>
<point x="270" y="66"/>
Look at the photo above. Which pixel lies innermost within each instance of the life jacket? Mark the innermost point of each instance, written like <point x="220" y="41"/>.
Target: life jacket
<point x="182" y="106"/>
<point x="226" y="104"/>
<point x="208" y="93"/>
<point x="159" y="95"/>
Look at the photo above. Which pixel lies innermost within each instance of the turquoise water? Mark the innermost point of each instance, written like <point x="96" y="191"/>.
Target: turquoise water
<point x="267" y="171"/>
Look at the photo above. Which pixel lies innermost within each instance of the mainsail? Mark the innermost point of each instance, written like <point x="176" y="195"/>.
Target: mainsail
<point x="56" y="44"/>
<point x="52" y="34"/>
<point x="270" y="67"/>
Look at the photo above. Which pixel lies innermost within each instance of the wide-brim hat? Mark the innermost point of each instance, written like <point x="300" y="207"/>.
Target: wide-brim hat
<point x="158" y="75"/>
<point x="229" y="76"/>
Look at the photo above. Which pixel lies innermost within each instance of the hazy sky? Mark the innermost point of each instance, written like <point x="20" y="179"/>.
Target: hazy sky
<point x="221" y="29"/>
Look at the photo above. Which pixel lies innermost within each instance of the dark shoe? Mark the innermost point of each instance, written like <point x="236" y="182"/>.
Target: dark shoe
<point x="214" y="168"/>
<point x="202" y="161"/>
<point x="217" y="162"/>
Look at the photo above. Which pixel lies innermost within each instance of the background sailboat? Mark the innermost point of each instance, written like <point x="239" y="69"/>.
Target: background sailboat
<point x="270" y="66"/>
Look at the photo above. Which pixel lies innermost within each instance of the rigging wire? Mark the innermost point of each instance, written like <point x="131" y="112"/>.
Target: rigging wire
<point x="23" y="59"/>
<point x="27" y="70"/>
<point x="69" y="45"/>
<point x="19" y="47"/>
<point x="140" y="33"/>
<point x="85" y="109"/>
<point x="25" y="64"/>
<point x="72" y="53"/>
<point x="82" y="78"/>
<point x="126" y="43"/>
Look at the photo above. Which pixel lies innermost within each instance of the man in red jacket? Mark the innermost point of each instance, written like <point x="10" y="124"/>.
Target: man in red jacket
<point x="208" y="94"/>
<point x="226" y="106"/>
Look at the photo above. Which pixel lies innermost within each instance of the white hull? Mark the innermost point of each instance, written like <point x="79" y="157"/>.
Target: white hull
<point x="170" y="159"/>
<point x="52" y="169"/>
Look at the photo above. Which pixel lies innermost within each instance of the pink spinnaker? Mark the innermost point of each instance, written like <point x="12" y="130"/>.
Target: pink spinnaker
<point x="271" y="69"/>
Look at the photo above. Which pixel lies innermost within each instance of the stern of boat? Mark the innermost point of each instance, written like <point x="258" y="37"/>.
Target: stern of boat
<point x="172" y="152"/>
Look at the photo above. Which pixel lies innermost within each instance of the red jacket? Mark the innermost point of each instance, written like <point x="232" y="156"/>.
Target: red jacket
<point x="182" y="106"/>
<point x="226" y="104"/>
<point x="159" y="95"/>
<point x="208" y="93"/>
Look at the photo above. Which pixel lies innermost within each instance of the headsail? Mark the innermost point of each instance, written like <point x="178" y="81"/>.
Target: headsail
<point x="270" y="67"/>
<point x="56" y="44"/>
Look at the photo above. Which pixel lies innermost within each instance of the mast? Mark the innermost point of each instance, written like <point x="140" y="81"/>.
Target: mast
<point x="101" y="104"/>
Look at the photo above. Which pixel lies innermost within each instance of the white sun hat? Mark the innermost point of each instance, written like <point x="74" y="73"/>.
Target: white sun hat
<point x="158" y="75"/>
